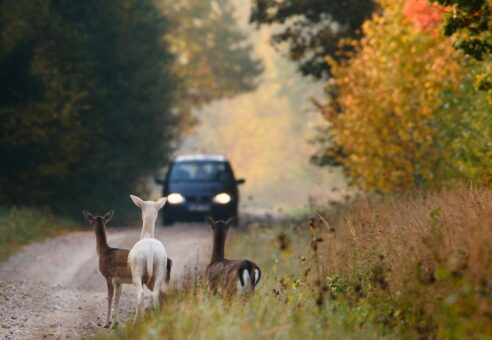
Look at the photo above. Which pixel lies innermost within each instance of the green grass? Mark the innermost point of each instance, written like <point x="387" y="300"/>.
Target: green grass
<point x="19" y="227"/>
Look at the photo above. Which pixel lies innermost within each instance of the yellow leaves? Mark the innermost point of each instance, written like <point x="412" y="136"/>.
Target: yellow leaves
<point x="388" y="95"/>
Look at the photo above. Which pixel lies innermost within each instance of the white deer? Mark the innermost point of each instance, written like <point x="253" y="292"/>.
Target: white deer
<point x="147" y="259"/>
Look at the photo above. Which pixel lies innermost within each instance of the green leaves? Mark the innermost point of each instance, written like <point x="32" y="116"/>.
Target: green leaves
<point x="95" y="94"/>
<point x="86" y="105"/>
<point x="470" y="22"/>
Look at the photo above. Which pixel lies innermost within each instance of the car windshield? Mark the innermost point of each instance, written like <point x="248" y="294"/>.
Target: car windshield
<point x="200" y="171"/>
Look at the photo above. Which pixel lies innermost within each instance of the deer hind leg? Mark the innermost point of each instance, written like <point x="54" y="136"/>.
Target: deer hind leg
<point x="256" y="277"/>
<point x="116" y="307"/>
<point x="156" y="290"/>
<point x="140" y="306"/>
<point x="109" y="283"/>
<point x="163" y="293"/>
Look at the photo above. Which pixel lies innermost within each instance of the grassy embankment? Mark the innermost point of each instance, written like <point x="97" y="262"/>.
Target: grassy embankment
<point x="411" y="267"/>
<point x="22" y="226"/>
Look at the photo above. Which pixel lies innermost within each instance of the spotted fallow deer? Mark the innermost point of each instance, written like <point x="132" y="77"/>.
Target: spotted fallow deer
<point x="229" y="276"/>
<point x="113" y="264"/>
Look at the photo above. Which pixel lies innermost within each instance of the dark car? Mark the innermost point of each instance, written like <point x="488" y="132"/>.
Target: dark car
<point x="199" y="185"/>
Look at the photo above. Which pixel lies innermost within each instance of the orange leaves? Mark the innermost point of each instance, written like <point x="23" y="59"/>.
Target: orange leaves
<point x="424" y="15"/>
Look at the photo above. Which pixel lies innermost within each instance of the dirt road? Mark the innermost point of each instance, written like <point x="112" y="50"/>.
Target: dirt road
<point x="53" y="289"/>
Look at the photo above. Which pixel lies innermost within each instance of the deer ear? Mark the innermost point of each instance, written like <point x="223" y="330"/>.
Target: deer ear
<point x="160" y="203"/>
<point x="210" y="221"/>
<point x="231" y="221"/>
<point x="108" y="216"/>
<point x="137" y="201"/>
<point x="88" y="216"/>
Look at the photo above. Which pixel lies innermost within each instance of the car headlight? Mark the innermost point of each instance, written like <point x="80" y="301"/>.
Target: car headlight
<point x="222" y="198"/>
<point x="175" y="198"/>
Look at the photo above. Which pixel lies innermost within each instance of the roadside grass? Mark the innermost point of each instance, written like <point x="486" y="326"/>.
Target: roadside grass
<point x="20" y="226"/>
<point x="390" y="267"/>
<point x="284" y="305"/>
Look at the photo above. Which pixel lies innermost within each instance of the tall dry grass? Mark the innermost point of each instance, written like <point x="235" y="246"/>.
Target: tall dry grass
<point x="417" y="234"/>
<point x="428" y="254"/>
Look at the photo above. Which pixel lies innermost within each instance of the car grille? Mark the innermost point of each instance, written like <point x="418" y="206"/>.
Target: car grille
<point x="198" y="199"/>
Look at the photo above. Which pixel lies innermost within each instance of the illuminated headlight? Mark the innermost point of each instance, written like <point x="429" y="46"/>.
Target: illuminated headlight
<point x="175" y="198"/>
<point x="222" y="198"/>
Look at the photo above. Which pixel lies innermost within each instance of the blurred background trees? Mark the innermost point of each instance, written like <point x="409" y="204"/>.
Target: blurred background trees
<point x="470" y="22"/>
<point x="96" y="95"/>
<point x="214" y="57"/>
<point x="402" y="112"/>
<point x="92" y="94"/>
<point x="312" y="29"/>
<point x="91" y="112"/>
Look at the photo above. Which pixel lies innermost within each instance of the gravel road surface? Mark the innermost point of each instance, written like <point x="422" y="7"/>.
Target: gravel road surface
<point x="53" y="289"/>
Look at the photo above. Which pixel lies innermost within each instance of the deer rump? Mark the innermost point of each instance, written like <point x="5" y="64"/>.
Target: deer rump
<point x="145" y="278"/>
<point x="145" y="261"/>
<point x="230" y="276"/>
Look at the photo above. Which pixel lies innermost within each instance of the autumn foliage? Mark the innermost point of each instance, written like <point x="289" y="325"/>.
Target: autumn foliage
<point x="401" y="111"/>
<point x="424" y="15"/>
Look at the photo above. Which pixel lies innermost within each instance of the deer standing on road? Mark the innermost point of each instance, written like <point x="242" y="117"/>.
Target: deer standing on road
<point x="229" y="276"/>
<point x="113" y="264"/>
<point x="148" y="256"/>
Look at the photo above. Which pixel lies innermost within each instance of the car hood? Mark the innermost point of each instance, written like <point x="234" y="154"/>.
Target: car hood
<point x="197" y="188"/>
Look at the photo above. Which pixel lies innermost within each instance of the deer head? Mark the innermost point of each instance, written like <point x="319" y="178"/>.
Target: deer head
<point x="220" y="229"/>
<point x="99" y="225"/>
<point x="101" y="219"/>
<point x="150" y="210"/>
<point x="219" y="226"/>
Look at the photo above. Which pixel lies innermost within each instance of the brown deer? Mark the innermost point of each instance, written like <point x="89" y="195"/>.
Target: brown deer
<point x="229" y="276"/>
<point x="113" y="264"/>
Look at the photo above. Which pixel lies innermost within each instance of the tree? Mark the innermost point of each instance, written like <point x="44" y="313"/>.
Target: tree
<point x="214" y="58"/>
<point x="401" y="111"/>
<point x="471" y="22"/>
<point x="424" y="16"/>
<point x="312" y="29"/>
<point x="86" y="103"/>
<point x="40" y="99"/>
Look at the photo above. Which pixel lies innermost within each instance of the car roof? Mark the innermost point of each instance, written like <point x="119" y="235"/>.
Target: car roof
<point x="200" y="158"/>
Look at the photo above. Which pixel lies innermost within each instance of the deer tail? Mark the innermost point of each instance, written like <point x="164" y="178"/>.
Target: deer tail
<point x="150" y="264"/>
